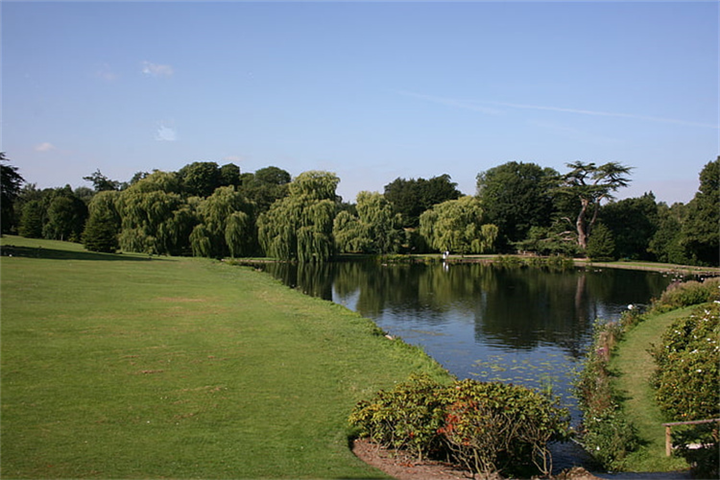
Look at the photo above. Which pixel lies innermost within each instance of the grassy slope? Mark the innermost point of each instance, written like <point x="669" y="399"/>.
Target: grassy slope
<point x="634" y="366"/>
<point x="116" y="366"/>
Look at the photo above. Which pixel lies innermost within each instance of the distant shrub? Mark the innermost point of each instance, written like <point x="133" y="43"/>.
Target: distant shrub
<point x="679" y="295"/>
<point x="485" y="427"/>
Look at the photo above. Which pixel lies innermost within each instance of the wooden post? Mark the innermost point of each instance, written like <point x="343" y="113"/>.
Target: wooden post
<point x="668" y="436"/>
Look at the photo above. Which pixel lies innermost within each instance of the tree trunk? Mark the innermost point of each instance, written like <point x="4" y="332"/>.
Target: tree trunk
<point x="580" y="224"/>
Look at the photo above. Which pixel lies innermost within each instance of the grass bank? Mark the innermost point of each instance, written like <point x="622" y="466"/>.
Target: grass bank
<point x="121" y="366"/>
<point x="633" y="366"/>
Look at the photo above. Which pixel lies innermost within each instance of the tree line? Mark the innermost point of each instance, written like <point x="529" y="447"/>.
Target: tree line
<point x="205" y="209"/>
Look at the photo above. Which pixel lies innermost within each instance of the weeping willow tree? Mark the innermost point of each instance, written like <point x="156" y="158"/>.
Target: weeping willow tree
<point x="375" y="229"/>
<point x="457" y="226"/>
<point x="154" y="216"/>
<point x="226" y="225"/>
<point x="299" y="226"/>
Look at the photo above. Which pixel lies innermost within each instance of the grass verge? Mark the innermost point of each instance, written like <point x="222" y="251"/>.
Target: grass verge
<point x="633" y="366"/>
<point x="121" y="366"/>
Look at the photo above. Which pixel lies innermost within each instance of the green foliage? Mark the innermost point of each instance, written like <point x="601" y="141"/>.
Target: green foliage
<point x="684" y="294"/>
<point x="633" y="223"/>
<point x="406" y="417"/>
<point x="101" y="183"/>
<point x="31" y="222"/>
<point x="701" y="230"/>
<point x="705" y="454"/>
<point x="606" y="432"/>
<point x="485" y="427"/>
<point x="590" y="185"/>
<point x="103" y="225"/>
<point x="265" y="186"/>
<point x="375" y="229"/>
<point x="226" y="225"/>
<point x="550" y="241"/>
<point x="687" y="379"/>
<point x="10" y="183"/>
<point x="66" y="216"/>
<point x="199" y="178"/>
<point x="601" y="246"/>
<point x="410" y="198"/>
<point x="457" y="226"/>
<point x="155" y="219"/>
<point x="666" y="244"/>
<point x="516" y="197"/>
<point x="299" y="226"/>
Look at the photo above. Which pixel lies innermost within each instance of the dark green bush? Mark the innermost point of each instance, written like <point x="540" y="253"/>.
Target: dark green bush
<point x="482" y="426"/>
<point x="406" y="417"/>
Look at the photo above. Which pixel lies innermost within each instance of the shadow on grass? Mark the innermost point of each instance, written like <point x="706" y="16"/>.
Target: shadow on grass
<point x="53" y="254"/>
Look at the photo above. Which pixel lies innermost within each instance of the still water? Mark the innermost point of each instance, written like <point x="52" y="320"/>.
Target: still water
<point x="528" y="326"/>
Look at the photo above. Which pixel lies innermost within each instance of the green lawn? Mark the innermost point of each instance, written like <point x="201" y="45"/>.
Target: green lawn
<point x="121" y="366"/>
<point x="634" y="365"/>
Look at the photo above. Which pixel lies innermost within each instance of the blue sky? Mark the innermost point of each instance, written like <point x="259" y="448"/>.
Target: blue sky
<point x="369" y="90"/>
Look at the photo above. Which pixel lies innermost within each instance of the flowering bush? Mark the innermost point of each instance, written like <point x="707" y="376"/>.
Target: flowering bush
<point x="687" y="380"/>
<point x="485" y="427"/>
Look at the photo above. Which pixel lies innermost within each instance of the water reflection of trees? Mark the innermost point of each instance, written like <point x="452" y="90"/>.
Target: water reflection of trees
<point x="516" y="308"/>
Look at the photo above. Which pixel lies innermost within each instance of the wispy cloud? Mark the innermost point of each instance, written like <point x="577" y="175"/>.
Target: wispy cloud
<point x="491" y="107"/>
<point x="104" y="72"/>
<point x="45" y="147"/>
<point x="166" y="134"/>
<point x="157" y="70"/>
<point x="454" y="102"/>
<point x="603" y="114"/>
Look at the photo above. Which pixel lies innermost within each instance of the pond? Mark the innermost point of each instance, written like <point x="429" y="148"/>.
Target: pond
<point x="527" y="326"/>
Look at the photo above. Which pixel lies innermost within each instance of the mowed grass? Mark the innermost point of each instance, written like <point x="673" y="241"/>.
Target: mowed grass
<point x="634" y="366"/>
<point x="120" y="366"/>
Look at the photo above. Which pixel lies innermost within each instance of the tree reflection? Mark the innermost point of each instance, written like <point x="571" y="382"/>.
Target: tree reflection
<point x="515" y="308"/>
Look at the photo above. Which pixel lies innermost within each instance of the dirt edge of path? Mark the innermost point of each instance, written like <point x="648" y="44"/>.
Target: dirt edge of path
<point x="402" y="466"/>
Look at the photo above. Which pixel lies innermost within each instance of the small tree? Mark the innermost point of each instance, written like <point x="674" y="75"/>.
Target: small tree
<point x="601" y="246"/>
<point x="103" y="225"/>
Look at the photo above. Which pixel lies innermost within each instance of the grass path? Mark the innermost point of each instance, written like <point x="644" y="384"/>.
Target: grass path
<point x="117" y="366"/>
<point x="634" y="365"/>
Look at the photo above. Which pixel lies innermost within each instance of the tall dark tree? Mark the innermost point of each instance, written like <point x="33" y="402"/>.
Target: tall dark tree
<point x="66" y="216"/>
<point x="590" y="185"/>
<point x="266" y="186"/>
<point x="633" y="223"/>
<point x="32" y="219"/>
<point x="10" y="184"/>
<point x="229" y="175"/>
<point x="199" y="178"/>
<point x="103" y="225"/>
<point x="410" y="198"/>
<point x="701" y="231"/>
<point x="517" y="196"/>
<point x="666" y="244"/>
